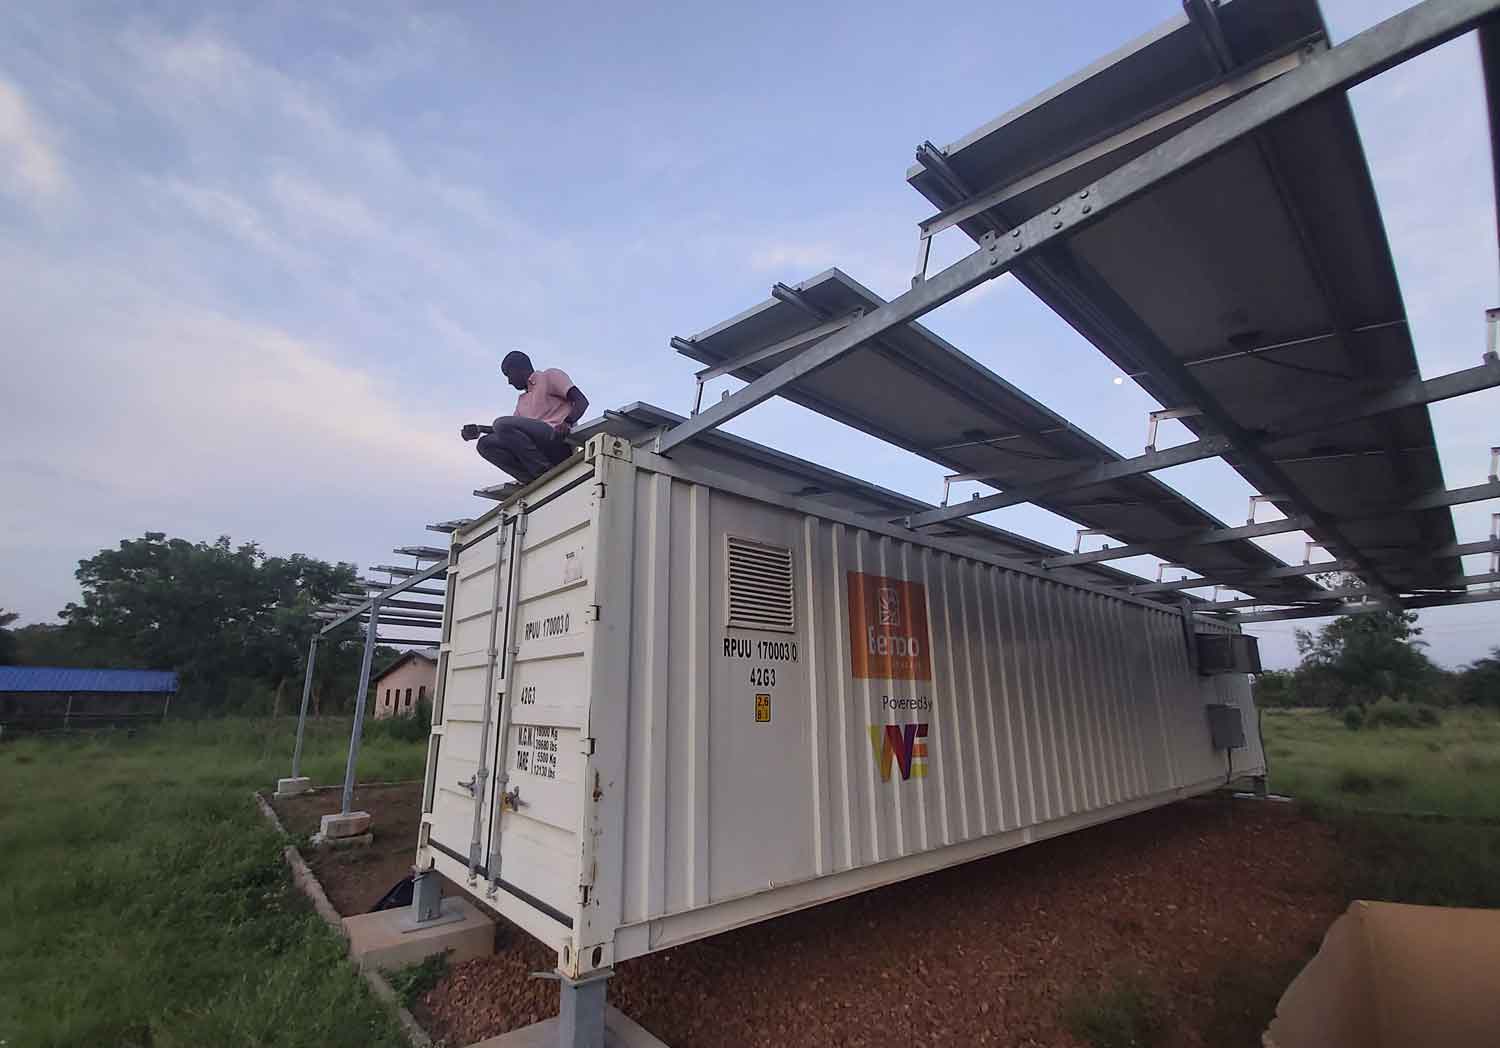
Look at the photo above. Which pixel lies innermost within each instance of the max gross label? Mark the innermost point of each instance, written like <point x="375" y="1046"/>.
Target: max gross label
<point x="888" y="628"/>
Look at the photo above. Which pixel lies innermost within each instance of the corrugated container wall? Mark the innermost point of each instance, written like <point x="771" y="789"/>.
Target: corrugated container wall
<point x="725" y="705"/>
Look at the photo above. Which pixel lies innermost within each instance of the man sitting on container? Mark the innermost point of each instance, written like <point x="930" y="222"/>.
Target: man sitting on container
<point x="530" y="442"/>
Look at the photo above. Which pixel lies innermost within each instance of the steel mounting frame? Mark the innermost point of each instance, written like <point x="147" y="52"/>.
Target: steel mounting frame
<point x="1414" y="31"/>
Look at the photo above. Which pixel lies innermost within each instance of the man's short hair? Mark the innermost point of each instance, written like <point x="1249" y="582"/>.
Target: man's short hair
<point x="516" y="360"/>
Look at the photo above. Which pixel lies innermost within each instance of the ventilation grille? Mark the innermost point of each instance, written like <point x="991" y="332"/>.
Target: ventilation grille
<point x="761" y="596"/>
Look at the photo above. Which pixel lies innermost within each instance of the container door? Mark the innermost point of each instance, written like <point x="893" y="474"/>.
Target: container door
<point x="462" y="788"/>
<point x="533" y="850"/>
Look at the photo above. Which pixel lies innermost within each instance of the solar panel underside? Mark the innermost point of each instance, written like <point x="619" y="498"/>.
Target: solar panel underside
<point x="1260" y="281"/>
<point x="914" y="390"/>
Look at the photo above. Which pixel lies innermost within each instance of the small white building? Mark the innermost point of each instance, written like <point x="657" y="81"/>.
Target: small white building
<point x="404" y="683"/>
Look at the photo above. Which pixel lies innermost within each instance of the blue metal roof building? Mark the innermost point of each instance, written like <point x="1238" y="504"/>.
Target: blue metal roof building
<point x="85" y="681"/>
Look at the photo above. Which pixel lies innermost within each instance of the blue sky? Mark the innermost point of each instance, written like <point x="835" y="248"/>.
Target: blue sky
<point x="257" y="265"/>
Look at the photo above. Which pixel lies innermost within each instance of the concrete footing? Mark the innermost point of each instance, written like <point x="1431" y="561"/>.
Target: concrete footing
<point x="344" y="825"/>
<point x="390" y="939"/>
<point x="364" y="840"/>
<point x="292" y="787"/>
<point x="620" y="1031"/>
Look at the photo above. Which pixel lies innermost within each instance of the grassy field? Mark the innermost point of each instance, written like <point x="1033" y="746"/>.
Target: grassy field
<point x="146" y="902"/>
<point x="1452" y="769"/>
<point x="1417" y="809"/>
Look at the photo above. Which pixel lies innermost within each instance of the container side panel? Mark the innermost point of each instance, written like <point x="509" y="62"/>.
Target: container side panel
<point x="760" y="777"/>
<point x="969" y="700"/>
<point x="921" y="703"/>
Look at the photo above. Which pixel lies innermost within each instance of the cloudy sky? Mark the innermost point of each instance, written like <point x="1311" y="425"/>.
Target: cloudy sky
<point x="258" y="263"/>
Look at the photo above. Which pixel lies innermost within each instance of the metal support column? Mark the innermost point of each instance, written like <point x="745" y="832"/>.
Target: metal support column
<point x="426" y="897"/>
<point x="307" y="680"/>
<point x="359" y="707"/>
<point x="580" y="1016"/>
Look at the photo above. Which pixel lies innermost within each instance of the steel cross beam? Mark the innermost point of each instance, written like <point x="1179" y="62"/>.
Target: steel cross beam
<point x="1436" y="499"/>
<point x="1415" y="30"/>
<point x="1348" y="593"/>
<point x="1414" y="393"/>
<point x="1410" y="604"/>
<point x="1289" y="572"/>
<point x="401" y="587"/>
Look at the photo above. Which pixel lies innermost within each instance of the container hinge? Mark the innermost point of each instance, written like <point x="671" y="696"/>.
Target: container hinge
<point x="591" y="613"/>
<point x="583" y="894"/>
<point x="586" y="747"/>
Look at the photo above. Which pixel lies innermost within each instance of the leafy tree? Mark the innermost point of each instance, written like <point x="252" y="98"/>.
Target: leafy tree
<point x="1362" y="658"/>
<point x="233" y="622"/>
<point x="1479" y="683"/>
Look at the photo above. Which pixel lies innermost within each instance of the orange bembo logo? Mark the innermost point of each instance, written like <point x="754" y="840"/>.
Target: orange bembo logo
<point x="888" y="628"/>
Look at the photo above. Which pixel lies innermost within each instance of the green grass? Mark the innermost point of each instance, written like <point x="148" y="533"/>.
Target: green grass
<point x="1123" y="1015"/>
<point x="1452" y="768"/>
<point x="412" y="981"/>
<point x="1417" y="810"/>
<point x="145" y="900"/>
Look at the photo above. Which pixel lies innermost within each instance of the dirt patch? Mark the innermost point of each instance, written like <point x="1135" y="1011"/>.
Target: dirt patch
<point x="1211" y="906"/>
<point x="355" y="878"/>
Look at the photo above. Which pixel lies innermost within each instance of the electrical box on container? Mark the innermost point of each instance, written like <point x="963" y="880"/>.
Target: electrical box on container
<point x="1226" y="726"/>
<point x="1227" y="653"/>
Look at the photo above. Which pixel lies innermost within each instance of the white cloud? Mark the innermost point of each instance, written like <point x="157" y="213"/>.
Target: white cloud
<point x="343" y="213"/>
<point x="29" y="164"/>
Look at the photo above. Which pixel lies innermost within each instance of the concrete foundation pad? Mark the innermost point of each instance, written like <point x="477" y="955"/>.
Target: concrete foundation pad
<point x="387" y="939"/>
<point x="620" y="1031"/>
<point x="292" y="787"/>
<point x="364" y="840"/>
<point x="341" y="825"/>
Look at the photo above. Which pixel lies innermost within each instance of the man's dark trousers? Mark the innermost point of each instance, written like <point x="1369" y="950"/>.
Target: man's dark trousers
<point x="523" y="447"/>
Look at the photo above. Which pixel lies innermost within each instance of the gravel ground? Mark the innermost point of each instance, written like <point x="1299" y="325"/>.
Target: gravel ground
<point x="1211" y="906"/>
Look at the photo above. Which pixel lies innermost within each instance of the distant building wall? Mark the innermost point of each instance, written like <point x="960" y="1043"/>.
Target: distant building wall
<point x="397" y="692"/>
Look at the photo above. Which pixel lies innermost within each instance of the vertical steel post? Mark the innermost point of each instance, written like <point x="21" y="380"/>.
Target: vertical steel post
<point x="580" y="1016"/>
<point x="359" y="706"/>
<point x="312" y="659"/>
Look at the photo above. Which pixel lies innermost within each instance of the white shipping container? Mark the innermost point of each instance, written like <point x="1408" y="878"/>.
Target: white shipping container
<point x="711" y="703"/>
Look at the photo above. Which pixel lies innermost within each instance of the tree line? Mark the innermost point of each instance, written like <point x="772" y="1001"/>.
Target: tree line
<point x="233" y="622"/>
<point x="1360" y="660"/>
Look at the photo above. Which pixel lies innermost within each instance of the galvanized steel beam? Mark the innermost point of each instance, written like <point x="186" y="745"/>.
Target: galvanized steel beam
<point x="1418" y="29"/>
<point x="1291" y="571"/>
<point x="1414" y="393"/>
<point x="1409" y="604"/>
<point x="1451" y="497"/>
<point x="1347" y="593"/>
<point x="390" y="591"/>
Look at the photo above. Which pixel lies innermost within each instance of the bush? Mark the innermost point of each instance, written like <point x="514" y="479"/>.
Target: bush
<point x="1391" y="714"/>
<point x="1354" y="718"/>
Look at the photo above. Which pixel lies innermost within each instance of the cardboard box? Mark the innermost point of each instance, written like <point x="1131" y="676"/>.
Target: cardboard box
<point x="1389" y="974"/>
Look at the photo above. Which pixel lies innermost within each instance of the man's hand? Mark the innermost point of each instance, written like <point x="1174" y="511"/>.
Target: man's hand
<point x="564" y="428"/>
<point x="469" y="432"/>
